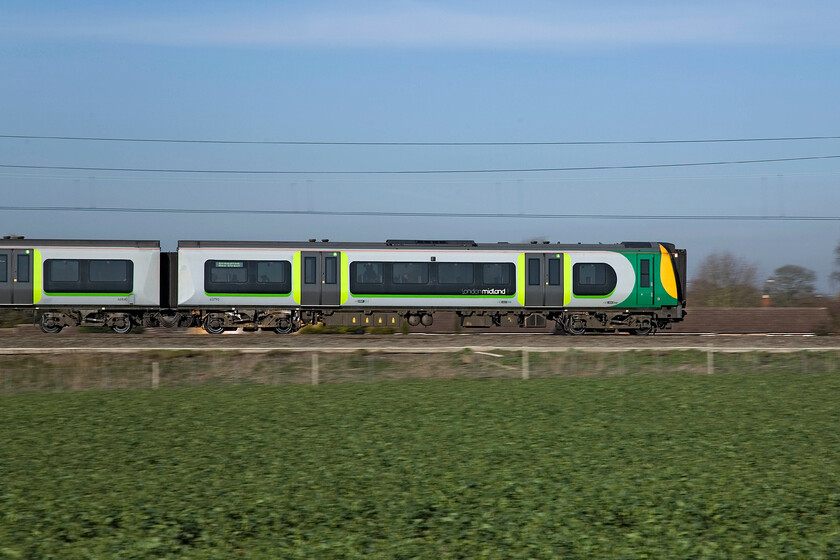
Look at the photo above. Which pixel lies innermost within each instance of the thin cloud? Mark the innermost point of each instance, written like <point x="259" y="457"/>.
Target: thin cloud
<point x="412" y="25"/>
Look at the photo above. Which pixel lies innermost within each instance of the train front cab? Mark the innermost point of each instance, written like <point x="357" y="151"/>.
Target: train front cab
<point x="637" y="292"/>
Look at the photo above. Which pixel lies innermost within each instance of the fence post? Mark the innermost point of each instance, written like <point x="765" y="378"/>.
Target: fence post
<point x="314" y="368"/>
<point x="526" y="373"/>
<point x="710" y="361"/>
<point x="155" y="375"/>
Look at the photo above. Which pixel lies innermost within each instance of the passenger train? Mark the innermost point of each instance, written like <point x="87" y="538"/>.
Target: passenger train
<point x="636" y="287"/>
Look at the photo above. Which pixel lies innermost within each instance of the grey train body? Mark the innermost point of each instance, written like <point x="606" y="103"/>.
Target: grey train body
<point x="636" y="287"/>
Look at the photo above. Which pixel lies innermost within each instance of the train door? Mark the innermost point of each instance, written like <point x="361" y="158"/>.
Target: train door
<point x="544" y="279"/>
<point x="5" y="276"/>
<point x="644" y="287"/>
<point x="320" y="282"/>
<point x="16" y="276"/>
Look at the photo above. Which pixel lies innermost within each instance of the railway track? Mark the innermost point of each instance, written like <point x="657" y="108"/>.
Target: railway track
<point x="27" y="341"/>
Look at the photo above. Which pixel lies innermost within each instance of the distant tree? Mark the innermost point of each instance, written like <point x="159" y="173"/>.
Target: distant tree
<point x="835" y="276"/>
<point x="724" y="280"/>
<point x="792" y="285"/>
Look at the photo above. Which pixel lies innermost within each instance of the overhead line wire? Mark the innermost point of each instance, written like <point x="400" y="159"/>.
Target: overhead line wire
<point x="398" y="143"/>
<point x="459" y="181"/>
<point x="416" y="171"/>
<point x="369" y="213"/>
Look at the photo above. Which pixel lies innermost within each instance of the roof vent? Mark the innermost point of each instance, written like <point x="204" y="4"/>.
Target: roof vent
<point x="444" y="242"/>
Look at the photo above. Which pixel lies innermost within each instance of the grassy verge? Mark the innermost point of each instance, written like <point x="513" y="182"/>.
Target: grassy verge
<point x="95" y="370"/>
<point x="677" y="466"/>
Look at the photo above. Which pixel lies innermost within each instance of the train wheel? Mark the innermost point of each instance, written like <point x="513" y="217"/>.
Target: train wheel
<point x="575" y="327"/>
<point x="123" y="326"/>
<point x="284" y="327"/>
<point x="49" y="326"/>
<point x="645" y="328"/>
<point x="213" y="325"/>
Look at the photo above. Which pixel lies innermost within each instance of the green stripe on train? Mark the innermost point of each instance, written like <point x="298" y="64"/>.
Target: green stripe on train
<point x="434" y="296"/>
<point x="208" y="294"/>
<point x="37" y="276"/>
<point x="74" y="294"/>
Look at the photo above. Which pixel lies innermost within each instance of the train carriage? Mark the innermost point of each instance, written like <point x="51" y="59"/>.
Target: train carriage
<point x="227" y="285"/>
<point x="636" y="287"/>
<point x="105" y="282"/>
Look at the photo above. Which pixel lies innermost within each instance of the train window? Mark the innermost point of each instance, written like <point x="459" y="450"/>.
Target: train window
<point x="410" y="273"/>
<point x="63" y="270"/>
<point x="246" y="277"/>
<point x="108" y="271"/>
<point x="271" y="272"/>
<point x="533" y="272"/>
<point x="455" y="273"/>
<point x="496" y="273"/>
<point x="23" y="268"/>
<point x="88" y="276"/>
<point x="644" y="273"/>
<point x="555" y="272"/>
<point x="330" y="270"/>
<point x="228" y="272"/>
<point x="592" y="273"/>
<point x="369" y="272"/>
<point x="309" y="271"/>
<point x="4" y="269"/>
<point x="593" y="279"/>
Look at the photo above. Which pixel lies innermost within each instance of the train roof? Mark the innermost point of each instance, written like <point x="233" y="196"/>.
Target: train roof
<point x="423" y="244"/>
<point x="23" y="242"/>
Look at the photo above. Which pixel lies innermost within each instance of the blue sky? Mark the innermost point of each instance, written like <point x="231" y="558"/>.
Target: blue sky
<point x="426" y="72"/>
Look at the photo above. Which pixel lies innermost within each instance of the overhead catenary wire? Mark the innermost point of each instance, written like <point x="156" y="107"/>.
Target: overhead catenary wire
<point x="414" y="171"/>
<point x="371" y="213"/>
<point x="404" y="143"/>
<point x="389" y="181"/>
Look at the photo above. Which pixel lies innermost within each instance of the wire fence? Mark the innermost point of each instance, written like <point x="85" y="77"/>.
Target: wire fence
<point x="59" y="371"/>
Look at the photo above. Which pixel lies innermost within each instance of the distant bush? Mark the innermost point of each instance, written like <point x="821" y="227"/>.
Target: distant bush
<point x="833" y="327"/>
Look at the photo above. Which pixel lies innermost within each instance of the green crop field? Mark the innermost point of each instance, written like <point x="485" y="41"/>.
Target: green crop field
<point x="737" y="465"/>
